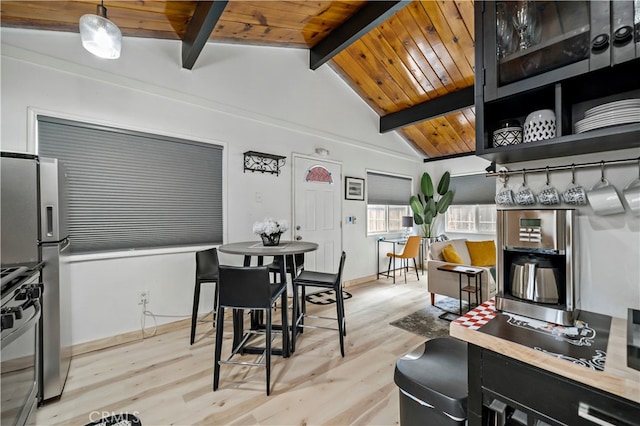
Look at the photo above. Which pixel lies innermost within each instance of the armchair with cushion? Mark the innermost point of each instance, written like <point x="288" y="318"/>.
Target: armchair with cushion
<point x="480" y="254"/>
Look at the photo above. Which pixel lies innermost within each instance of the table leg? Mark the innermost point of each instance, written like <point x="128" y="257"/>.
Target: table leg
<point x="283" y="279"/>
<point x="460" y="291"/>
<point x="394" y="262"/>
<point x="378" y="260"/>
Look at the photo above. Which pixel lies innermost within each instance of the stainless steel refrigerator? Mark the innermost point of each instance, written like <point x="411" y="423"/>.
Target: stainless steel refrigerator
<point x="34" y="228"/>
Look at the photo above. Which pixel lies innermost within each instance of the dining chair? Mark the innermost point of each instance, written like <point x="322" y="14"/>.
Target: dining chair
<point x="411" y="251"/>
<point x="206" y="272"/>
<point x="274" y="266"/>
<point x="318" y="280"/>
<point x="247" y="287"/>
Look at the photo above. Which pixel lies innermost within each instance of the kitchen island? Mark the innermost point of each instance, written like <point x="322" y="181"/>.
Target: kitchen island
<point x="512" y="379"/>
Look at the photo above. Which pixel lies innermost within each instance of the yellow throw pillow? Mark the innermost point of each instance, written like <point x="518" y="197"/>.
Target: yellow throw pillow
<point x="451" y="255"/>
<point x="482" y="253"/>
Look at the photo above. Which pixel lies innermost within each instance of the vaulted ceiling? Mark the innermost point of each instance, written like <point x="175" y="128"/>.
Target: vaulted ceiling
<point x="412" y="62"/>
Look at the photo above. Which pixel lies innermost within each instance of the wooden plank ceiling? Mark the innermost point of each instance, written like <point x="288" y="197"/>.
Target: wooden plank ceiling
<point x="406" y="68"/>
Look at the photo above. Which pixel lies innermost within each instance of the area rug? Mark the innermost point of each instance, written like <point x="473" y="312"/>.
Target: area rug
<point x="427" y="322"/>
<point x="325" y="297"/>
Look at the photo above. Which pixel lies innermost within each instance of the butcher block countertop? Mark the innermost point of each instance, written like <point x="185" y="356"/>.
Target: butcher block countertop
<point x="617" y="378"/>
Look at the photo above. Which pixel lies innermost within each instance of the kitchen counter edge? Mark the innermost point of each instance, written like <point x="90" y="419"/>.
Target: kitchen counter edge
<point x="617" y="378"/>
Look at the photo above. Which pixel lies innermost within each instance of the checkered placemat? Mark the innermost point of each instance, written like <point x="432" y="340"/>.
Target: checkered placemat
<point x="479" y="316"/>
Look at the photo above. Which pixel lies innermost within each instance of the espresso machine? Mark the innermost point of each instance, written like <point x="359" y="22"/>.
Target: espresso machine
<point x="536" y="267"/>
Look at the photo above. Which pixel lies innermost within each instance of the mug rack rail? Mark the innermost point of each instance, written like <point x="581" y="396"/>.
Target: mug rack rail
<point x="504" y="173"/>
<point x="264" y="163"/>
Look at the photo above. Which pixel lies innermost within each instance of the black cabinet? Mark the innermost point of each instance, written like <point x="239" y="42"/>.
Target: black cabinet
<point x="513" y="392"/>
<point x="562" y="56"/>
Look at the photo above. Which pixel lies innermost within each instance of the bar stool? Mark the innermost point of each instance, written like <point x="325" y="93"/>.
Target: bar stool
<point x="249" y="287"/>
<point x="320" y="280"/>
<point x="206" y="272"/>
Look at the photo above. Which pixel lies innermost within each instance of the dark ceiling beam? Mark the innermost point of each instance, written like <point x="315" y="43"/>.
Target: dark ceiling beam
<point x="367" y="18"/>
<point x="428" y="110"/>
<point x="449" y="157"/>
<point x="201" y="25"/>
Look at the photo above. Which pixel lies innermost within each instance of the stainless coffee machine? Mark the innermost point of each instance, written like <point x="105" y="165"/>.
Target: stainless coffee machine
<point x="536" y="264"/>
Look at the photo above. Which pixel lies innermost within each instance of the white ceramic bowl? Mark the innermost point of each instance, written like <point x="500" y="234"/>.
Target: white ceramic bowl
<point x="540" y="125"/>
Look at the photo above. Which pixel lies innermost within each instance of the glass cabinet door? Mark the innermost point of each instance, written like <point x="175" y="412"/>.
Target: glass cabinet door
<point x="533" y="37"/>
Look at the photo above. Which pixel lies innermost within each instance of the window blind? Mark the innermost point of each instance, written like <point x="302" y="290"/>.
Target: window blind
<point x="473" y="189"/>
<point x="132" y="190"/>
<point x="388" y="189"/>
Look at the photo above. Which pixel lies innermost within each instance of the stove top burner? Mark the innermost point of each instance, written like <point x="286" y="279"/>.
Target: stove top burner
<point x="7" y="275"/>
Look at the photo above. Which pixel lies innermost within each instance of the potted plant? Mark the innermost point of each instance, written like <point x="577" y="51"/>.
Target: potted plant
<point x="270" y="230"/>
<point x="428" y="204"/>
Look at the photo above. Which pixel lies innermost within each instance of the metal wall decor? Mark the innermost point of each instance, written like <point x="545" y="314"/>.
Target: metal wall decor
<point x="264" y="163"/>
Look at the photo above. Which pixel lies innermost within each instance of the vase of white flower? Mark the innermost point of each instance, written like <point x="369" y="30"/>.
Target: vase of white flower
<point x="270" y="230"/>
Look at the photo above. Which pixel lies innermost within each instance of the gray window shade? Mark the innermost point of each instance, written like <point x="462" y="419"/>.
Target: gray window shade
<point x="473" y="189"/>
<point x="386" y="189"/>
<point x="131" y="190"/>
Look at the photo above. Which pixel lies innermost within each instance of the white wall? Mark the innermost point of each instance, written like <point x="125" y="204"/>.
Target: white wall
<point x="243" y="97"/>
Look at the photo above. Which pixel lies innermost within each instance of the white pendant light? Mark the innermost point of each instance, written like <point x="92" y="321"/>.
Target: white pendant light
<point x="99" y="35"/>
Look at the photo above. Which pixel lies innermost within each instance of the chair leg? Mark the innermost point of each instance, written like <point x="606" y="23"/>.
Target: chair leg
<point x="415" y="265"/>
<point x="215" y="304"/>
<point x="303" y="307"/>
<point x="268" y="350"/>
<point x="194" y="312"/>
<point x="285" y="325"/>
<point x="218" y="348"/>
<point x="389" y="268"/>
<point x="406" y="269"/>
<point x="340" y="312"/>
<point x="294" y="319"/>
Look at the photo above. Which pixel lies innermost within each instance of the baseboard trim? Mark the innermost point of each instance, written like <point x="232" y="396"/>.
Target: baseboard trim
<point x="119" y="339"/>
<point x="133" y="336"/>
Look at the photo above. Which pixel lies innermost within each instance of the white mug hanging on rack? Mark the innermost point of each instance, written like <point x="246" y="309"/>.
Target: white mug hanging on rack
<point x="525" y="196"/>
<point x="604" y="198"/>
<point x="575" y="194"/>
<point x="548" y="196"/>
<point x="631" y="194"/>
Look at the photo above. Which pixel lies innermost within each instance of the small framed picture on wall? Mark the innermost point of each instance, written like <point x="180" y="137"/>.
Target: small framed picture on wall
<point x="353" y="188"/>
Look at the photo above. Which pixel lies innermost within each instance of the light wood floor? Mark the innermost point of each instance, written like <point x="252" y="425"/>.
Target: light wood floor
<point x="166" y="381"/>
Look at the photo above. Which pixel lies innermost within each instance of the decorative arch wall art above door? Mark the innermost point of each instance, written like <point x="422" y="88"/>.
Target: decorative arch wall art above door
<point x="319" y="174"/>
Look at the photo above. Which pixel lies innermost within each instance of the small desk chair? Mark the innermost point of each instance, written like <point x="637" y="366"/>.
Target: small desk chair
<point x="411" y="250"/>
<point x="321" y="280"/>
<point x="249" y="287"/>
<point x="206" y="272"/>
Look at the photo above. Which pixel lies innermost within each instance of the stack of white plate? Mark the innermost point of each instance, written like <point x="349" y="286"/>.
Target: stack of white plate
<point x="610" y="114"/>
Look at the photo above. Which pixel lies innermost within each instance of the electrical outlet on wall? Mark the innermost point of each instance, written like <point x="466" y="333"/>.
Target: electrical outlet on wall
<point x="143" y="297"/>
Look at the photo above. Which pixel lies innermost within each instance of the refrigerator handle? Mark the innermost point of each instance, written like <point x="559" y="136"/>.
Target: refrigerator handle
<point x="49" y="221"/>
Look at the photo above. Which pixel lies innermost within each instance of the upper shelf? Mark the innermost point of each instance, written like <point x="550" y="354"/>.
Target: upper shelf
<point x="264" y="163"/>
<point x="605" y="139"/>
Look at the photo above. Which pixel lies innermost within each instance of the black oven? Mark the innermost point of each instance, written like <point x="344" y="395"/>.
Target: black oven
<point x="21" y="310"/>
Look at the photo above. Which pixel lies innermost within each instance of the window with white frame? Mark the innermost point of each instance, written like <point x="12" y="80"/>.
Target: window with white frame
<point x="471" y="219"/>
<point x="387" y="201"/>
<point x="473" y="210"/>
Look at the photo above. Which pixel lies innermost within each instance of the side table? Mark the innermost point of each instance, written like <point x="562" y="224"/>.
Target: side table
<point x="476" y="289"/>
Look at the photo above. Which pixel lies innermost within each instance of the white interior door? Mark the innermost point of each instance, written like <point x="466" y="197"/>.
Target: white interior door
<point x="317" y="210"/>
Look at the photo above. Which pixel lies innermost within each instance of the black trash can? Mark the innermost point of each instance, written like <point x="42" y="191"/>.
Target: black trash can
<point x="433" y="383"/>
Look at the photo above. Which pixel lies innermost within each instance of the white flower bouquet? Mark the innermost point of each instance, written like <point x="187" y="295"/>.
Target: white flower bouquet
<point x="269" y="229"/>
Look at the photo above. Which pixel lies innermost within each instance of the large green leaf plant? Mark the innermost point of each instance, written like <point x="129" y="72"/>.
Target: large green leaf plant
<point x="427" y="205"/>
